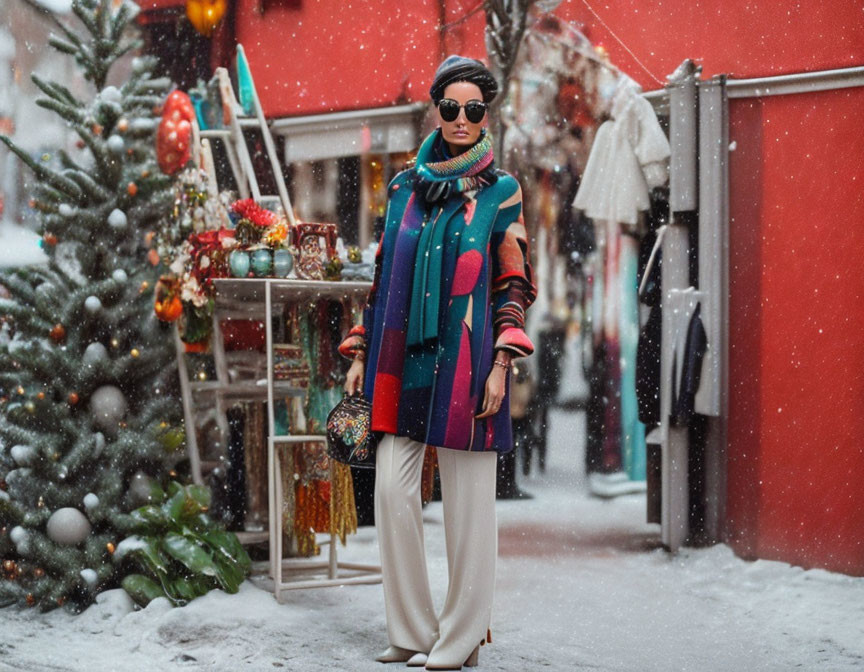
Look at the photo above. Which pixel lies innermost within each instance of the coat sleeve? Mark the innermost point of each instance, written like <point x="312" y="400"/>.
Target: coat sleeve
<point x="512" y="287"/>
<point x="357" y="340"/>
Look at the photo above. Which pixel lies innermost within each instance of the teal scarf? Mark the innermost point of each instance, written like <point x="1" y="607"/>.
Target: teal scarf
<point x="463" y="173"/>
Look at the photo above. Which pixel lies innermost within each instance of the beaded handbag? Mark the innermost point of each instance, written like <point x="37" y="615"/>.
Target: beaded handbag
<point x="350" y="439"/>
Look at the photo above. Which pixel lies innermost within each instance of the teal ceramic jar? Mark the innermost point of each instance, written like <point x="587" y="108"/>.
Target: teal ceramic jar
<point x="283" y="262"/>
<point x="262" y="262"/>
<point x="239" y="263"/>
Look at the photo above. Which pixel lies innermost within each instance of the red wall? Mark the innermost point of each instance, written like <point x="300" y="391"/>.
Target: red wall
<point x="796" y="416"/>
<point x="312" y="56"/>
<point x="739" y="37"/>
<point x="796" y="394"/>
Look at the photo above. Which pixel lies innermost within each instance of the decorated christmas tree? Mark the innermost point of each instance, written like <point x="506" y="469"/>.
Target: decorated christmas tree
<point x="88" y="416"/>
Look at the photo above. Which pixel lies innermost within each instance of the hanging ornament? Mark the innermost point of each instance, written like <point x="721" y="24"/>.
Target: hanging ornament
<point x="179" y="101"/>
<point x="139" y="492"/>
<point x="132" y="189"/>
<point x="122" y="125"/>
<point x="167" y="304"/>
<point x="120" y="275"/>
<point x="68" y="527"/>
<point x="205" y="15"/>
<point x="117" y="219"/>
<point x="38" y="573"/>
<point x="115" y="144"/>
<point x="41" y="503"/>
<point x="73" y="398"/>
<point x="30" y="599"/>
<point x="50" y="239"/>
<point x="110" y="548"/>
<point x="173" y="139"/>
<point x="95" y="353"/>
<point x="92" y="304"/>
<point x="107" y="407"/>
<point x="58" y="333"/>
<point x="134" y="352"/>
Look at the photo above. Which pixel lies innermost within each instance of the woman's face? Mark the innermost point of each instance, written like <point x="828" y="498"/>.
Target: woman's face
<point x="461" y="133"/>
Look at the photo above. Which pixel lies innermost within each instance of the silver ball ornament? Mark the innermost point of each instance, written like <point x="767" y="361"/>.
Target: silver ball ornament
<point x="68" y="527"/>
<point x="92" y="304"/>
<point x="139" y="489"/>
<point x="115" y="144"/>
<point x="107" y="407"/>
<point x="117" y="219"/>
<point x="95" y="353"/>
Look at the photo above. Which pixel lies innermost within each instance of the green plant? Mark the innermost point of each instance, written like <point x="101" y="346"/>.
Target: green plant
<point x="181" y="552"/>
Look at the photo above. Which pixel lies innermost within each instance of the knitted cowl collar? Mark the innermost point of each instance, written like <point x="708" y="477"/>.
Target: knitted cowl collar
<point x="439" y="177"/>
<point x="442" y="174"/>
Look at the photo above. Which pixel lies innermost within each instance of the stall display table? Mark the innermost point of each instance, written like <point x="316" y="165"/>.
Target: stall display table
<point x="256" y="299"/>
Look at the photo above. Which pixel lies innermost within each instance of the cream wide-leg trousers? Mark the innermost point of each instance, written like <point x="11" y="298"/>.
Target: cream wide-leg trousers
<point x="471" y="536"/>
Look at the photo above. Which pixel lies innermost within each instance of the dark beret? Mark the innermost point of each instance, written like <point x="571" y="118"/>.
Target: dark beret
<point x="461" y="69"/>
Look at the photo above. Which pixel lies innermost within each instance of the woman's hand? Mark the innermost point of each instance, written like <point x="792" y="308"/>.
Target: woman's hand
<point x="496" y="385"/>
<point x="354" y="377"/>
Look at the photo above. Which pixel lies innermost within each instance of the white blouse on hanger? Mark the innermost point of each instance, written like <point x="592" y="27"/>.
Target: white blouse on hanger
<point x="628" y="158"/>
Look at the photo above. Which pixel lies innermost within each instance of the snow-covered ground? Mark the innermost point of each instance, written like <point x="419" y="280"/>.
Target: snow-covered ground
<point x="581" y="585"/>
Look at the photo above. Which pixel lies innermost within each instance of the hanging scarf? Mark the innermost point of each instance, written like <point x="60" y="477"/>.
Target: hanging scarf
<point x="438" y="180"/>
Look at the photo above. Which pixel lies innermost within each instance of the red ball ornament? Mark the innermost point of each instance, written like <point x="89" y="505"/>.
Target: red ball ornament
<point x="58" y="333"/>
<point x="132" y="189"/>
<point x="73" y="398"/>
<point x="50" y="239"/>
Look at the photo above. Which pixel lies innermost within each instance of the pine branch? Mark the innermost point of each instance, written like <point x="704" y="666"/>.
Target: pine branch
<point x="68" y="112"/>
<point x="17" y="281"/>
<point x="119" y="23"/>
<point x="120" y="52"/>
<point x="95" y="190"/>
<point x="56" y="180"/>
<point x="63" y="46"/>
<point x="97" y="149"/>
<point x="56" y="91"/>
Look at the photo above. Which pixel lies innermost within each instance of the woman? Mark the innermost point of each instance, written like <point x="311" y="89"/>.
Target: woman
<point x="443" y="320"/>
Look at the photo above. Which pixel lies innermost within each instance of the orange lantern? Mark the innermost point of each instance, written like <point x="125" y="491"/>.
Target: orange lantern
<point x="205" y="15"/>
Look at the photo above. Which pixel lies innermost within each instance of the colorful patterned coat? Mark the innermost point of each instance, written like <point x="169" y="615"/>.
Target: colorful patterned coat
<point x="431" y="392"/>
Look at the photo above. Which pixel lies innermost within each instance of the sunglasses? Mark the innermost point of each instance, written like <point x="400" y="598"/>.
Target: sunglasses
<point x="475" y="110"/>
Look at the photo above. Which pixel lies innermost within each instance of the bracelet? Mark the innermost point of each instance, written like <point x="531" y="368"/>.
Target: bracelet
<point x="503" y="365"/>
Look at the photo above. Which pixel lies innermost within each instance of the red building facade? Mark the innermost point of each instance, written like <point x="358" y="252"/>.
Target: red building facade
<point x="794" y="456"/>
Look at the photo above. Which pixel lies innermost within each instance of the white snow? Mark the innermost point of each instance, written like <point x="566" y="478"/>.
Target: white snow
<point x="19" y="246"/>
<point x="582" y="584"/>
